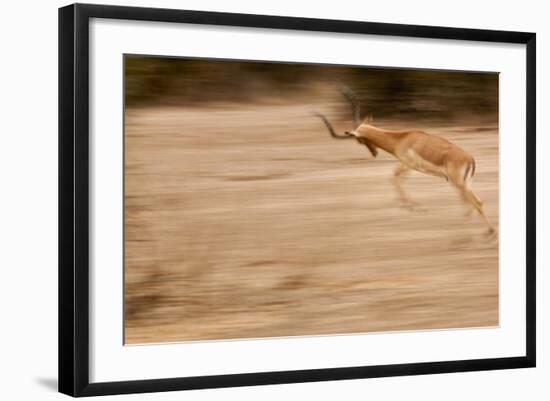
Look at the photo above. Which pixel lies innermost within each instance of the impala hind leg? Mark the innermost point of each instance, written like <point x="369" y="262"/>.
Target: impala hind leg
<point x="470" y="197"/>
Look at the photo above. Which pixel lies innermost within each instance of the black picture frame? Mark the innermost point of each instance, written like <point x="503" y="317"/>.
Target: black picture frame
<point x="74" y="193"/>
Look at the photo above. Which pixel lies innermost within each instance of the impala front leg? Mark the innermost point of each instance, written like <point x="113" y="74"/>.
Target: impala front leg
<point x="398" y="175"/>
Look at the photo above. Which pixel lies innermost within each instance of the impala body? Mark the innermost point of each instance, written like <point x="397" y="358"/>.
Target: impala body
<point x="420" y="151"/>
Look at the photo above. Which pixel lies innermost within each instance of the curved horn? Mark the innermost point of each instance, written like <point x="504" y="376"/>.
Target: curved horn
<point x="354" y="101"/>
<point x="331" y="129"/>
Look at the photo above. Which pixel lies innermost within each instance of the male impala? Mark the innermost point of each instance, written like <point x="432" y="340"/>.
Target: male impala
<point x="416" y="150"/>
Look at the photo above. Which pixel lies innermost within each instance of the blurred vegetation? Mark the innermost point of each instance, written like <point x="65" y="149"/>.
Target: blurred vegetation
<point x="384" y="92"/>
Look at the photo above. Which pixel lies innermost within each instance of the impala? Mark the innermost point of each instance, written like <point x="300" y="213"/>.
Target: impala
<point x="416" y="150"/>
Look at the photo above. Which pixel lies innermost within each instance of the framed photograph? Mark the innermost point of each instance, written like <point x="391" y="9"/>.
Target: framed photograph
<point x="251" y="199"/>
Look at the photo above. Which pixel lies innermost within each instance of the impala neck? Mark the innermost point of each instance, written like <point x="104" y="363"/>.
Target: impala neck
<point x="383" y="139"/>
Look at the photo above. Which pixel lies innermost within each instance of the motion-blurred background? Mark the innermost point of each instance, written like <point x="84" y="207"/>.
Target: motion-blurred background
<point x="244" y="219"/>
<point x="382" y="91"/>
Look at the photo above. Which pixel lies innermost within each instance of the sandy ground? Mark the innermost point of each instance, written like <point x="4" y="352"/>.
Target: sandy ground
<point x="245" y="222"/>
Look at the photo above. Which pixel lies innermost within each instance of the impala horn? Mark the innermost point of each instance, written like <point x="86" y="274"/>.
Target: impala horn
<point x="354" y="102"/>
<point x="331" y="129"/>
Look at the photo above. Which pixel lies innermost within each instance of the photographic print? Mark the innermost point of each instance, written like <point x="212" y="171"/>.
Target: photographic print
<point x="255" y="200"/>
<point x="266" y="199"/>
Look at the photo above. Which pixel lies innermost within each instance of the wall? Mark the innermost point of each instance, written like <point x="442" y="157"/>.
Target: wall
<point x="28" y="217"/>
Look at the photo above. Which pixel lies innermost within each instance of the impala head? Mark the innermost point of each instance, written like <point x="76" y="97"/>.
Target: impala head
<point x="354" y="134"/>
<point x="356" y="114"/>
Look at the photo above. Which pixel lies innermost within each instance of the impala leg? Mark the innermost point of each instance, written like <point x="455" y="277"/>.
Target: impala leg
<point x="398" y="175"/>
<point x="470" y="197"/>
<point x="468" y="207"/>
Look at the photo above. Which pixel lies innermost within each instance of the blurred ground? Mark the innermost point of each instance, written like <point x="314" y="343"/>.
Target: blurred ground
<point x="246" y="222"/>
